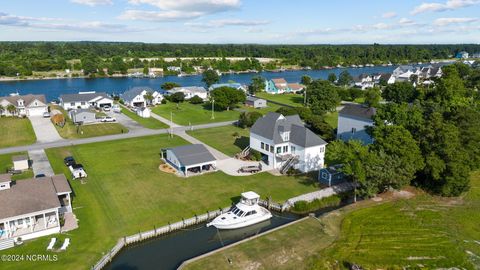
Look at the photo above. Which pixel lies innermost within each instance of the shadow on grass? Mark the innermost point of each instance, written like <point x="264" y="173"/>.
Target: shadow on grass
<point x="308" y="179"/>
<point x="242" y="142"/>
<point x="235" y="199"/>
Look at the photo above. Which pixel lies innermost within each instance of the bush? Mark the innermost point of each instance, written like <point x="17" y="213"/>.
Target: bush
<point x="164" y="101"/>
<point x="255" y="155"/>
<point x="177" y="97"/>
<point x="196" y="100"/>
<point x="305" y="207"/>
<point x="247" y="119"/>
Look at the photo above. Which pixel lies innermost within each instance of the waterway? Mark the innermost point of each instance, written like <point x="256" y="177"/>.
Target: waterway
<point x="53" y="88"/>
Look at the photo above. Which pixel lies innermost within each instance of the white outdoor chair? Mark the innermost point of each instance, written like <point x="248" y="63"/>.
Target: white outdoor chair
<point x="66" y="243"/>
<point x="52" y="243"/>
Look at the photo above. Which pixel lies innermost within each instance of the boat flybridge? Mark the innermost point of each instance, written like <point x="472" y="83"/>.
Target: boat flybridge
<point x="245" y="213"/>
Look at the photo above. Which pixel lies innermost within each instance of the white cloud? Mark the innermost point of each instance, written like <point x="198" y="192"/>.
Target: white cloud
<point x="406" y="22"/>
<point x="172" y="10"/>
<point x="389" y="15"/>
<point x="450" y="21"/>
<point x="93" y="3"/>
<point x="227" y="22"/>
<point x="439" y="7"/>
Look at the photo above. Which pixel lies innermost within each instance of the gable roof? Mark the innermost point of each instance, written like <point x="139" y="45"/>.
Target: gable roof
<point x="279" y="80"/>
<point x="358" y="111"/>
<point x="191" y="89"/>
<point x="192" y="154"/>
<point x="273" y="124"/>
<point x="296" y="86"/>
<point x="253" y="99"/>
<point x="32" y="195"/>
<point x="27" y="99"/>
<point x="135" y="91"/>
<point x="82" y="97"/>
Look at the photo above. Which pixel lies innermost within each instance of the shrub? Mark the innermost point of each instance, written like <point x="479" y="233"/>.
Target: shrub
<point x="196" y="100"/>
<point x="255" y="155"/>
<point x="164" y="101"/>
<point x="305" y="207"/>
<point x="247" y="119"/>
<point x="177" y="97"/>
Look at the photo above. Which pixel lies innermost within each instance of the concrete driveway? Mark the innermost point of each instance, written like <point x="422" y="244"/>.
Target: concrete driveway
<point x="231" y="166"/>
<point x="126" y="121"/>
<point x="40" y="163"/>
<point x="44" y="129"/>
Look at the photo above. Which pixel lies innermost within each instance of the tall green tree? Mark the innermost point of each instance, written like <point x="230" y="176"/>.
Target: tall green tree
<point x="399" y="92"/>
<point x="322" y="97"/>
<point x="227" y="97"/>
<point x="345" y="79"/>
<point x="210" y="77"/>
<point x="332" y="77"/>
<point x="257" y="85"/>
<point x="372" y="97"/>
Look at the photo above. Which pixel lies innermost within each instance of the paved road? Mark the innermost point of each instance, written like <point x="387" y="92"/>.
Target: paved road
<point x="44" y="129"/>
<point x="126" y="121"/>
<point x="164" y="120"/>
<point x="40" y="163"/>
<point x="140" y="133"/>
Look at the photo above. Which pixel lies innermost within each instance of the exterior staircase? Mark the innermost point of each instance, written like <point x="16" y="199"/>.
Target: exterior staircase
<point x="291" y="161"/>
<point x="7" y="243"/>
<point x="245" y="152"/>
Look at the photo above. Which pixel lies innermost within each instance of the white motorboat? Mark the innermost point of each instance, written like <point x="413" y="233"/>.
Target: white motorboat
<point x="245" y="213"/>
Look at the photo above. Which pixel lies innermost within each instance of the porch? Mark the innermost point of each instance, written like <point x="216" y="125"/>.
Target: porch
<point x="24" y="226"/>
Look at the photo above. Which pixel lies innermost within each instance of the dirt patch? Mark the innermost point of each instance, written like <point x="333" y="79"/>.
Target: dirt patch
<point x="167" y="168"/>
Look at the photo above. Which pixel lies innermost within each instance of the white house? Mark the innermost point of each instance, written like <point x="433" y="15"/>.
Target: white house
<point x="237" y="86"/>
<point x="143" y="112"/>
<point x="32" y="208"/>
<point x="255" y="102"/>
<point x="353" y="120"/>
<point x="85" y="100"/>
<point x="27" y="105"/>
<point x="285" y="142"/>
<point x="190" y="91"/>
<point x="364" y="81"/>
<point x="135" y="97"/>
<point x="190" y="159"/>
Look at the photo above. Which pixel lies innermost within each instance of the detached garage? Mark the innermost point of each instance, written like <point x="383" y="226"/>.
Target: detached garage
<point x="190" y="159"/>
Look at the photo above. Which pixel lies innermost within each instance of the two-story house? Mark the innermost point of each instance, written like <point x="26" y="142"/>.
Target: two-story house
<point x="85" y="100"/>
<point x="27" y="105"/>
<point x="280" y="86"/>
<point x="285" y="142"/>
<point x="190" y="92"/>
<point x="136" y="97"/>
<point x="353" y="121"/>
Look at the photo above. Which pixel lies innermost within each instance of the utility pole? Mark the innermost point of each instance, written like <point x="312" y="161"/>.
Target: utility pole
<point x="171" y="126"/>
<point x="213" y="108"/>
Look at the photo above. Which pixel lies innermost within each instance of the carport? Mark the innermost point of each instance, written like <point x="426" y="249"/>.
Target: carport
<point x="190" y="159"/>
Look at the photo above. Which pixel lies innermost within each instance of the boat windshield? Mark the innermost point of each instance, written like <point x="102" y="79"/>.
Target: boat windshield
<point x="237" y="211"/>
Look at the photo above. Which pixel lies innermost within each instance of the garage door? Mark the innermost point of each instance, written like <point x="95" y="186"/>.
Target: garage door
<point x="38" y="111"/>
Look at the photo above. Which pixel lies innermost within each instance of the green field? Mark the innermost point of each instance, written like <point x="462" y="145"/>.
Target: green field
<point x="71" y="131"/>
<point x="294" y="100"/>
<point x="150" y="123"/>
<point x="126" y="193"/>
<point x="16" y="131"/>
<point x="222" y="139"/>
<point x="195" y="114"/>
<point x="424" y="232"/>
<point x="6" y="163"/>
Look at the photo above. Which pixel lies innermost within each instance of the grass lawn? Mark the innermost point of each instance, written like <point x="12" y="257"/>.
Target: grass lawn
<point x="222" y="139"/>
<point x="196" y="114"/>
<point x="70" y="131"/>
<point x="150" y="123"/>
<point x="424" y="232"/>
<point x="6" y="163"/>
<point x="16" y="131"/>
<point x="294" y="100"/>
<point x="332" y="119"/>
<point x="126" y="193"/>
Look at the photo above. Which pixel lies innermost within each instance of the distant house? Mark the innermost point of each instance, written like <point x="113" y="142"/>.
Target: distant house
<point x="476" y="55"/>
<point x="32" y="208"/>
<point x="85" y="100"/>
<point x="143" y="112"/>
<point x="237" y="86"/>
<point x="352" y="122"/>
<point x="431" y="72"/>
<point x="462" y="55"/>
<point x="20" y="163"/>
<point x="190" y="159"/>
<point x="27" y="105"/>
<point x="284" y="142"/>
<point x="255" y="102"/>
<point x="280" y="86"/>
<point x="135" y="97"/>
<point x="190" y="91"/>
<point x="82" y="116"/>
<point x="331" y="175"/>
<point x="402" y="70"/>
<point x="386" y="77"/>
<point x="174" y="69"/>
<point x="364" y="81"/>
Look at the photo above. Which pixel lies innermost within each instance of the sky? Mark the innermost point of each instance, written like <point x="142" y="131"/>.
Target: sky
<point x="243" y="21"/>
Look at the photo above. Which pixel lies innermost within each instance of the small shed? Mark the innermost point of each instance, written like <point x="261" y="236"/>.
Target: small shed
<point x="331" y="175"/>
<point x="190" y="159"/>
<point x="20" y="163"/>
<point x="144" y="112"/>
<point x="255" y="102"/>
<point x="83" y="116"/>
<point x="5" y="180"/>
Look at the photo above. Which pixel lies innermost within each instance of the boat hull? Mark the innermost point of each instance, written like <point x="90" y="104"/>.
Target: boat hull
<point x="242" y="224"/>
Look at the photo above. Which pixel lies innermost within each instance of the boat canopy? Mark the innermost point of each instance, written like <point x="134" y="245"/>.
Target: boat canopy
<point x="250" y="197"/>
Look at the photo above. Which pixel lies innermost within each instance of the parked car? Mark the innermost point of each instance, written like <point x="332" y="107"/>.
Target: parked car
<point x="69" y="161"/>
<point x="40" y="175"/>
<point x="46" y="115"/>
<point x="116" y="108"/>
<point x="106" y="108"/>
<point x="108" y="119"/>
<point x="77" y="171"/>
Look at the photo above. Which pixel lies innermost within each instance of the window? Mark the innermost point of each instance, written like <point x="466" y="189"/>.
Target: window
<point x="271" y="148"/>
<point x="324" y="175"/>
<point x="293" y="149"/>
<point x="279" y="150"/>
<point x="322" y="149"/>
<point x="83" y="103"/>
<point x="72" y="103"/>
<point x="262" y="145"/>
<point x="285" y="149"/>
<point x="20" y="221"/>
<point x="354" y="130"/>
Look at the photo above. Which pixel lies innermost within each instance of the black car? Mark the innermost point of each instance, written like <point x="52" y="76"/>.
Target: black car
<point x="40" y="175"/>
<point x="69" y="161"/>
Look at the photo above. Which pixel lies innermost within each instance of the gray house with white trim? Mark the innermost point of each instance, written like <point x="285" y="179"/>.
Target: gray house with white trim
<point x="353" y="121"/>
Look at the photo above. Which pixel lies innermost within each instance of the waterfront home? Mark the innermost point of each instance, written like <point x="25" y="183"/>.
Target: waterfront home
<point x="190" y="91"/>
<point x="32" y="208"/>
<point x="462" y="55"/>
<point x="280" y="86"/>
<point x="143" y="112"/>
<point x="136" y="97"/>
<point x="387" y="78"/>
<point x="284" y="142"/>
<point x="364" y="81"/>
<point x="190" y="159"/>
<point x="85" y="100"/>
<point x="353" y="121"/>
<point x="20" y="162"/>
<point x="27" y="105"/>
<point x="174" y="69"/>
<point x="82" y="116"/>
<point x="331" y="175"/>
<point x="431" y="72"/>
<point x="237" y="86"/>
<point x="256" y="103"/>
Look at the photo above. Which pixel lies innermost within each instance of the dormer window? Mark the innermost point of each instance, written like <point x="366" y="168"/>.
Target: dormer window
<point x="286" y="136"/>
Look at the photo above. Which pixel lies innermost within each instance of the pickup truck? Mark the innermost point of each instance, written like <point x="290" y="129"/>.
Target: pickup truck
<point x="77" y="171"/>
